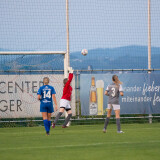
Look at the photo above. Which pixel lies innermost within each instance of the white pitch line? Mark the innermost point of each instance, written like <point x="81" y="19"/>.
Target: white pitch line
<point x="76" y="145"/>
<point x="25" y="132"/>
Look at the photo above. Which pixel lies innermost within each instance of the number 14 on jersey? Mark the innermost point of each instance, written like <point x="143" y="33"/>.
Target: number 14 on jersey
<point x="47" y="94"/>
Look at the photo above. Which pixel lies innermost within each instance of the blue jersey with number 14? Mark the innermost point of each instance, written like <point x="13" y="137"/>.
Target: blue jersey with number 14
<point x="46" y="92"/>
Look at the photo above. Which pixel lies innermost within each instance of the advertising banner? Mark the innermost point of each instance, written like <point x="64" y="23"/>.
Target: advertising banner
<point x="141" y="93"/>
<point x="18" y="94"/>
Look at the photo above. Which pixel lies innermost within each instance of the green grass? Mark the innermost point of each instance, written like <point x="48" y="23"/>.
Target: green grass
<point x="139" y="142"/>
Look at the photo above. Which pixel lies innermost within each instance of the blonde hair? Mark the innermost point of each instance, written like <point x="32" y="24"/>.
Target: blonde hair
<point x="116" y="80"/>
<point x="46" y="80"/>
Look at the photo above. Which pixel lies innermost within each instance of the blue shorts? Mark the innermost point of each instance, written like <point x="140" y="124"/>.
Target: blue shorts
<point x="46" y="107"/>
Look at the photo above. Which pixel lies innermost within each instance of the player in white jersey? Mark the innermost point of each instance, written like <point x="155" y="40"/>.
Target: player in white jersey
<point x="112" y="91"/>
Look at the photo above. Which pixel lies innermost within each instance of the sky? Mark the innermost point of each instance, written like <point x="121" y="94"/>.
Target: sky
<point x="40" y="25"/>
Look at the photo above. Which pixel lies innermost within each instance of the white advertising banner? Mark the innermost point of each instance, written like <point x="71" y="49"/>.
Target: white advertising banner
<point x="18" y="94"/>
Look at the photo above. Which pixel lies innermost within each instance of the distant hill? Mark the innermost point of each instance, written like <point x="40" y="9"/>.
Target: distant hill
<point x="128" y="57"/>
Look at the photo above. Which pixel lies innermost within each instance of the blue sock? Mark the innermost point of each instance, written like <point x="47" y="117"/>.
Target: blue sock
<point x="49" y="125"/>
<point x="46" y="125"/>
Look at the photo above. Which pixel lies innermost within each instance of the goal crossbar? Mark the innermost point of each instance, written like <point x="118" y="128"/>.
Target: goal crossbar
<point x="31" y="52"/>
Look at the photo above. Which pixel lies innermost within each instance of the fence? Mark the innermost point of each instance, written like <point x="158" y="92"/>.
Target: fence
<point x="137" y="108"/>
<point x="141" y="94"/>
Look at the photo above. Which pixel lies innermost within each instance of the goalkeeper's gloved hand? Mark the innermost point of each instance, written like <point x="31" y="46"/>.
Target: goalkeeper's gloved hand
<point x="70" y="70"/>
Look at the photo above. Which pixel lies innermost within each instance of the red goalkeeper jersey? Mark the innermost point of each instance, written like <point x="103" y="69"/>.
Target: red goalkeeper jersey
<point x="67" y="90"/>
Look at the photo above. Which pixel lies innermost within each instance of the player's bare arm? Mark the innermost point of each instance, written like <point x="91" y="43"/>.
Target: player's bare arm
<point x="39" y="97"/>
<point x="121" y="93"/>
<point x="106" y="93"/>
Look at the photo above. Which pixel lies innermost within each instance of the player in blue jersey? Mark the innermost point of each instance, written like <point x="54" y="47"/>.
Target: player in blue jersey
<point x="113" y="91"/>
<point x="45" y="94"/>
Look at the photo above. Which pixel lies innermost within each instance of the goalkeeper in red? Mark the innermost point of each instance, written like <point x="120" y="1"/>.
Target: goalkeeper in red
<point x="65" y="100"/>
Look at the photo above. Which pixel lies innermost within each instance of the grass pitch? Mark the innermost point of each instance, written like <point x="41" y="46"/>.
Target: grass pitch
<point x="139" y="142"/>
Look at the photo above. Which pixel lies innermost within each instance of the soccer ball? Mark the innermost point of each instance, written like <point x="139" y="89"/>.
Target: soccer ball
<point x="84" y="52"/>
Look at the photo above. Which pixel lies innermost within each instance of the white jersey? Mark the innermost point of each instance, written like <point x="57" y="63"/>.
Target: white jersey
<point x="113" y="92"/>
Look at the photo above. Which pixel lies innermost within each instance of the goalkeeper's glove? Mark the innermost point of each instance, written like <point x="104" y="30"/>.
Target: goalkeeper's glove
<point x="70" y="70"/>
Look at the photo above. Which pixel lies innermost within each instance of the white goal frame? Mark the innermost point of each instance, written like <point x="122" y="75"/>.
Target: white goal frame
<point x="66" y="63"/>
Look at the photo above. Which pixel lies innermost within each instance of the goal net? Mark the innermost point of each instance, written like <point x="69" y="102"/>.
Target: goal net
<point x="21" y="75"/>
